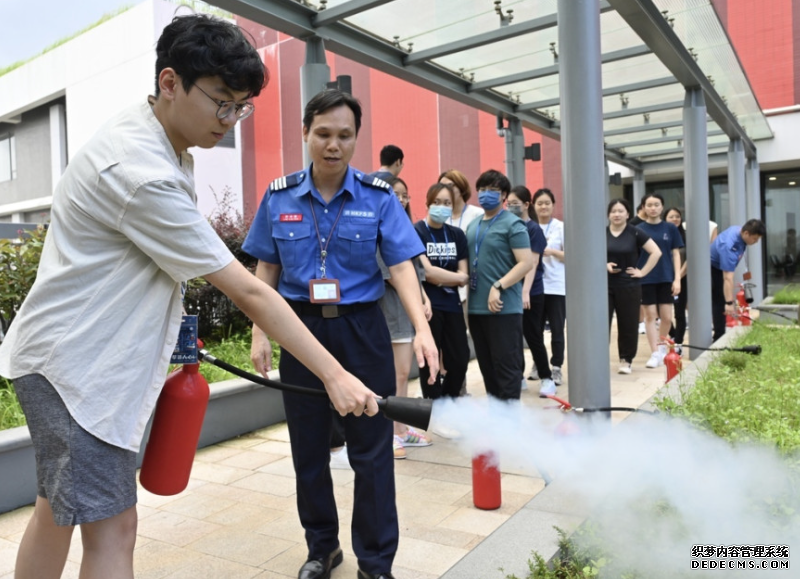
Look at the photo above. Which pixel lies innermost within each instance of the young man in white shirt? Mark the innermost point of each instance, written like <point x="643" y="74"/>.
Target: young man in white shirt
<point x="89" y="349"/>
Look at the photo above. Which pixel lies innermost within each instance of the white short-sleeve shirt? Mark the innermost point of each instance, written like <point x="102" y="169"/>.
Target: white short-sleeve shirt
<point x="102" y="318"/>
<point x="555" y="273"/>
<point x="469" y="214"/>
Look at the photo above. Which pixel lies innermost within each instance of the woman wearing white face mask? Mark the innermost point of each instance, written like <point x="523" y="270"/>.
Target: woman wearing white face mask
<point x="446" y="270"/>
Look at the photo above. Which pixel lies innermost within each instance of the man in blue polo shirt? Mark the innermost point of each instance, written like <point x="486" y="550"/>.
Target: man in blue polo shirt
<point x="726" y="251"/>
<point x="316" y="235"/>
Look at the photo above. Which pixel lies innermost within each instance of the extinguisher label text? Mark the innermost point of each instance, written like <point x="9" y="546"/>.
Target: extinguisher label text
<point x="185" y="351"/>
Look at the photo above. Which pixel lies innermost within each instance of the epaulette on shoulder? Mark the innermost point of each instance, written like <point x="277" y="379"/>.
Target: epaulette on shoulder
<point x="287" y="181"/>
<point x="376" y="182"/>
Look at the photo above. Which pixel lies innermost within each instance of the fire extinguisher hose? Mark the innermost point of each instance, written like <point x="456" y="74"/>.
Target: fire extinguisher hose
<point x="774" y="313"/>
<point x="755" y="349"/>
<point x="205" y="356"/>
<point x="567" y="407"/>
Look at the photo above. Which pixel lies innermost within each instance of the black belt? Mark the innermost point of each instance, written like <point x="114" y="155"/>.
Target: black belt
<point x="328" y="310"/>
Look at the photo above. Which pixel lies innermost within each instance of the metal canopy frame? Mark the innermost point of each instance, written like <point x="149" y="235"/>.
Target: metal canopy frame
<point x="341" y="26"/>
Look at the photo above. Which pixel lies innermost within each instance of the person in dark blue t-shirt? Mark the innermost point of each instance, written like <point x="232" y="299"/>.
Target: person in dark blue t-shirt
<point x="663" y="283"/>
<point x="446" y="269"/>
<point x="519" y="203"/>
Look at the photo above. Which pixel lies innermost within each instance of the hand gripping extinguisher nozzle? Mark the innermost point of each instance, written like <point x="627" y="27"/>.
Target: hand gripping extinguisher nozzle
<point x="175" y="432"/>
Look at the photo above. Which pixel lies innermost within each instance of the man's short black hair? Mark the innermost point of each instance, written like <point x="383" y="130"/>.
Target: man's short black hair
<point x="755" y="227"/>
<point x="331" y="99"/>
<point x="198" y="46"/>
<point x="492" y="178"/>
<point x="390" y="154"/>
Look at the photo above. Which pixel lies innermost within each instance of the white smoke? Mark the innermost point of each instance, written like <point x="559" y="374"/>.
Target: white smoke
<point x="655" y="486"/>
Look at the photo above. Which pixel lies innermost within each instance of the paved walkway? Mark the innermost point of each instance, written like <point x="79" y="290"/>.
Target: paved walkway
<point x="238" y="517"/>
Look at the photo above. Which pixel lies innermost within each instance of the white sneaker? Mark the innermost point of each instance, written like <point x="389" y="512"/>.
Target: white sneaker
<point x="624" y="368"/>
<point x="524" y="385"/>
<point x="641" y="328"/>
<point x="656" y="360"/>
<point x="534" y="375"/>
<point x="446" y="432"/>
<point x="548" y="388"/>
<point x="339" y="459"/>
<point x="557" y="377"/>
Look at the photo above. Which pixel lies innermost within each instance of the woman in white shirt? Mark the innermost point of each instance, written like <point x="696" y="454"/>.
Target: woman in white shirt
<point x="555" y="310"/>
<point x="463" y="212"/>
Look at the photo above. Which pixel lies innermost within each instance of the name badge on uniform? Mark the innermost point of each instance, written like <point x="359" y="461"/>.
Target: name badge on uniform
<point x="185" y="351"/>
<point x="324" y="291"/>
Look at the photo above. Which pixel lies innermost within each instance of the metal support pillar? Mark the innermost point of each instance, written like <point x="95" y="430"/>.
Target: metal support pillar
<point x="515" y="152"/>
<point x="314" y="74"/>
<point x="755" y="254"/>
<point x="584" y="216"/>
<point x="638" y="189"/>
<point x="736" y="193"/>
<point x="695" y="145"/>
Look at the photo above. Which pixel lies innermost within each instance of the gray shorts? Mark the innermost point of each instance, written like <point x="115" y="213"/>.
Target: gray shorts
<point x="400" y="327"/>
<point x="83" y="478"/>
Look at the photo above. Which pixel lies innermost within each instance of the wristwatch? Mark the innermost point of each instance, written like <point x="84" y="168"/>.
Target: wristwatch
<point x="729" y="303"/>
<point x="497" y="285"/>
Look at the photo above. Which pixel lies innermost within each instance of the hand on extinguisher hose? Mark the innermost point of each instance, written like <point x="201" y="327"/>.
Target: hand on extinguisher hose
<point x="349" y="395"/>
<point x="261" y="352"/>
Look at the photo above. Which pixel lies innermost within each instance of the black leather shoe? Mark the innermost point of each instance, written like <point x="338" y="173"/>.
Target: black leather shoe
<point x="321" y="568"/>
<point x="365" y="575"/>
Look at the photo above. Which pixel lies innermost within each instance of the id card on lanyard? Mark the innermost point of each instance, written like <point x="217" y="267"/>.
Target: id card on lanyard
<point x="324" y="290"/>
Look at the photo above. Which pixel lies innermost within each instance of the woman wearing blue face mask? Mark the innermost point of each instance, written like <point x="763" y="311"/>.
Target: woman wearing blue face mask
<point x="446" y="269"/>
<point x="499" y="257"/>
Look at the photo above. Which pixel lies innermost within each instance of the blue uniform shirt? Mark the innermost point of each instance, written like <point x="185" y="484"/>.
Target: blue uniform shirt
<point x="283" y="233"/>
<point x="728" y="248"/>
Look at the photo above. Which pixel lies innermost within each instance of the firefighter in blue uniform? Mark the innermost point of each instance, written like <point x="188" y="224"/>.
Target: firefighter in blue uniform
<point x="315" y="235"/>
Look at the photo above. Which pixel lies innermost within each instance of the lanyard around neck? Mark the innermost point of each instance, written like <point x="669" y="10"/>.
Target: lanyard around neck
<point x="479" y="237"/>
<point x="323" y="249"/>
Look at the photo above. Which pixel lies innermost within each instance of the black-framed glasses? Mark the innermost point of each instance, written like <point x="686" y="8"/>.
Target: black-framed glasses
<point x="240" y="110"/>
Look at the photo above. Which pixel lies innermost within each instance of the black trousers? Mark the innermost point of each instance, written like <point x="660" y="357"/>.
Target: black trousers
<point x="361" y="342"/>
<point x="717" y="303"/>
<point x="450" y="334"/>
<point x="533" y="330"/>
<point x="626" y="301"/>
<point x="498" y="347"/>
<point x="555" y="309"/>
<point x="678" y="332"/>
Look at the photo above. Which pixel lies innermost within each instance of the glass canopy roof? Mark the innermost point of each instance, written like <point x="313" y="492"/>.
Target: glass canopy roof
<point x="502" y="57"/>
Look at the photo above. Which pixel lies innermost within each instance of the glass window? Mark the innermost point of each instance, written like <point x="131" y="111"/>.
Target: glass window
<point x="8" y="162"/>
<point x="782" y="217"/>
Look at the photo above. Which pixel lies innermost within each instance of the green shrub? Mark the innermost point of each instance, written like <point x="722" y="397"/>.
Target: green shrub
<point x="789" y="294"/>
<point x="750" y="398"/>
<point x="11" y="414"/>
<point x="217" y="316"/>
<point x="19" y="261"/>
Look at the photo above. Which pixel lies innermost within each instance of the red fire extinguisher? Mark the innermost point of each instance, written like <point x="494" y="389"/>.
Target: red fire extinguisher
<point x="178" y="419"/>
<point x="486" y="481"/>
<point x="672" y="361"/>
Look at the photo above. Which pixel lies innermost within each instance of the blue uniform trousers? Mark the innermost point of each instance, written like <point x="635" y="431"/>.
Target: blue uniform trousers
<point x="360" y="342"/>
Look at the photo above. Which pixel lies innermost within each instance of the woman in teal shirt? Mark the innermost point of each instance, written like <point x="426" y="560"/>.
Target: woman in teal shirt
<point x="499" y="257"/>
